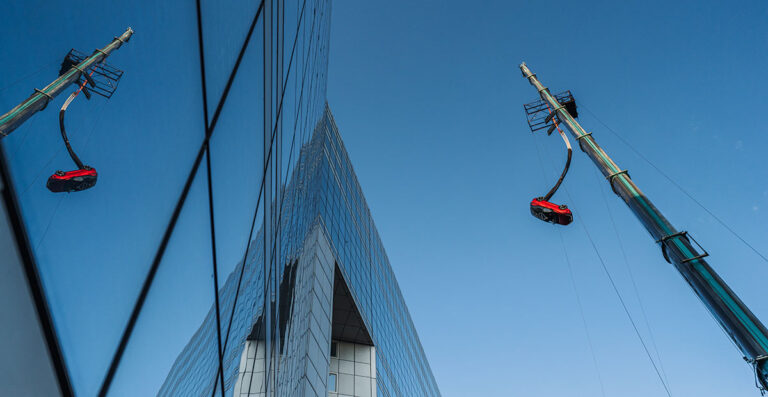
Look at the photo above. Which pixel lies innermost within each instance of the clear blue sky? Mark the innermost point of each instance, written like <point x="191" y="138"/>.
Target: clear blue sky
<point x="429" y="101"/>
<point x="428" y="98"/>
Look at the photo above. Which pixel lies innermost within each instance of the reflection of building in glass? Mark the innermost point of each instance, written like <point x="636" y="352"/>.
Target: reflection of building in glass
<point x="232" y="96"/>
<point x="336" y="323"/>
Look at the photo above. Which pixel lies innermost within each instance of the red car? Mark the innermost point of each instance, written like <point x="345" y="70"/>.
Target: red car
<point x="72" y="181"/>
<point x="552" y="213"/>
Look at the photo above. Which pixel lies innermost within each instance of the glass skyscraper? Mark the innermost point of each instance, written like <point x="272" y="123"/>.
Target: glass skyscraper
<point x="227" y="248"/>
<point x="337" y="299"/>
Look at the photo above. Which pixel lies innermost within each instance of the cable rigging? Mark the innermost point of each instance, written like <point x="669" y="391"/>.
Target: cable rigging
<point x="632" y="279"/>
<point x="581" y="313"/>
<point x="96" y="77"/>
<point x="83" y="70"/>
<point x="575" y="286"/>
<point x="541" y="207"/>
<point x="677" y="185"/>
<point x="30" y="74"/>
<point x="61" y="198"/>
<point x="617" y="293"/>
<point x="84" y="177"/>
<point x="678" y="247"/>
<point x="28" y="132"/>
<point x="626" y="309"/>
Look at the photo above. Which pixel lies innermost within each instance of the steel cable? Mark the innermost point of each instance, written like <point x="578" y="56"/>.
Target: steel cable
<point x="677" y="185"/>
<point x="623" y="303"/>
<point x="619" y="296"/>
<point x="575" y="287"/>
<point x="581" y="312"/>
<point x="631" y="275"/>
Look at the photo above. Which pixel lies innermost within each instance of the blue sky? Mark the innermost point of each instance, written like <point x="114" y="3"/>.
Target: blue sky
<point x="428" y="99"/>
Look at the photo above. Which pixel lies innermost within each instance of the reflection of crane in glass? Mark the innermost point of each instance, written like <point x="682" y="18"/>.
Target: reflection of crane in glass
<point x="92" y="76"/>
<point x="748" y="333"/>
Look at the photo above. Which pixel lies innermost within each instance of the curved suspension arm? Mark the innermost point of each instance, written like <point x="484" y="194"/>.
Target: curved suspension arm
<point x="567" y="162"/>
<point x="61" y="124"/>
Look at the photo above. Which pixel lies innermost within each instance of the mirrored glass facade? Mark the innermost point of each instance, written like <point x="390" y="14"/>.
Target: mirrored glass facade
<point x="227" y="243"/>
<point x="323" y="198"/>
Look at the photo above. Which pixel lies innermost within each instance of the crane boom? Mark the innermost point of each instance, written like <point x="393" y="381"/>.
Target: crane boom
<point x="37" y="101"/>
<point x="749" y="334"/>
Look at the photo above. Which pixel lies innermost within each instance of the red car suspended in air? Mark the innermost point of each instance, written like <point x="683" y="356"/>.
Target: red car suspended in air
<point x="541" y="208"/>
<point x="549" y="212"/>
<point x="84" y="177"/>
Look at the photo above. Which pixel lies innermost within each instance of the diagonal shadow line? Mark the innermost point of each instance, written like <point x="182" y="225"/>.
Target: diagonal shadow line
<point x="176" y="212"/>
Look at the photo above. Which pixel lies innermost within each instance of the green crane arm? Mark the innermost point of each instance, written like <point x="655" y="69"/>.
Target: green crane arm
<point x="37" y="101"/>
<point x="749" y="334"/>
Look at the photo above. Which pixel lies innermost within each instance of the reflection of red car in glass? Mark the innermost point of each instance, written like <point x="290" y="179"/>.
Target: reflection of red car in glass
<point x="84" y="177"/>
<point x="72" y="181"/>
<point x="549" y="212"/>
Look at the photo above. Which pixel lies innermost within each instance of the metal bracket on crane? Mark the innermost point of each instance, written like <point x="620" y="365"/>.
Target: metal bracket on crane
<point x="551" y="118"/>
<point x="579" y="140"/>
<point x="756" y="359"/>
<point x="553" y="114"/>
<point x="614" y="175"/>
<point x="85" y="75"/>
<point x="46" y="95"/>
<point x="759" y="381"/>
<point x="688" y="237"/>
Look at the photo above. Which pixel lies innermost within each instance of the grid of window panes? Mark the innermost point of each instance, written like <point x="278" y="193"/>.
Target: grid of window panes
<point x="261" y="80"/>
<point x="324" y="189"/>
<point x="265" y="71"/>
<point x="301" y="31"/>
<point x="401" y="365"/>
